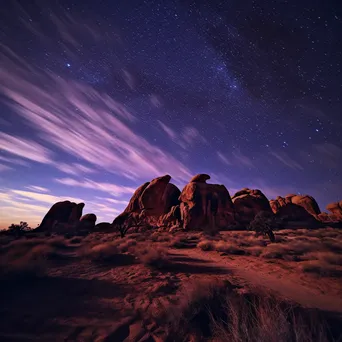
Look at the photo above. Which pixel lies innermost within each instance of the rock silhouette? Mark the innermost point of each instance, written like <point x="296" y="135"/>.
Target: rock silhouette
<point x="61" y="214"/>
<point x="199" y="206"/>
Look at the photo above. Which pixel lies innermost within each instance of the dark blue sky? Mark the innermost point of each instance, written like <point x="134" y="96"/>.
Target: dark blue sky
<point x="99" y="97"/>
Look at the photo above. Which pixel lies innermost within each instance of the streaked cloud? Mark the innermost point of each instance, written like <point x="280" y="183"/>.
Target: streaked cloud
<point x="114" y="190"/>
<point x="286" y="160"/>
<point x="74" y="169"/>
<point x="82" y="122"/>
<point x="25" y="148"/>
<point x="37" y="188"/>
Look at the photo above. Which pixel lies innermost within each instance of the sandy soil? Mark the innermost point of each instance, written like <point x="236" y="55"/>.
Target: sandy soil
<point x="82" y="300"/>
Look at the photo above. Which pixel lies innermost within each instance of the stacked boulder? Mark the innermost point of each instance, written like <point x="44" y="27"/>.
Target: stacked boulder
<point x="153" y="203"/>
<point x="248" y="203"/>
<point x="61" y="216"/>
<point x="206" y="206"/>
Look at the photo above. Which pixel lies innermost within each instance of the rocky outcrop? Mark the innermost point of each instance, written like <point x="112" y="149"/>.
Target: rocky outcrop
<point x="87" y="222"/>
<point x="61" y="214"/>
<point x="103" y="227"/>
<point x="336" y="209"/>
<point x="200" y="178"/>
<point x="298" y="209"/>
<point x="206" y="206"/>
<point x="248" y="203"/>
<point x="150" y="203"/>
<point x="305" y="201"/>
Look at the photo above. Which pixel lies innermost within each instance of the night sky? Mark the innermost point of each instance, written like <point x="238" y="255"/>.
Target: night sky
<point x="97" y="97"/>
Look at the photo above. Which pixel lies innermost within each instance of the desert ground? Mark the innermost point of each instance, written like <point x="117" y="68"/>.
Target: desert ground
<point x="181" y="286"/>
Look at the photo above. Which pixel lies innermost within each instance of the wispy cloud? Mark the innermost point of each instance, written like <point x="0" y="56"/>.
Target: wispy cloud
<point x="14" y="161"/>
<point x="24" y="148"/>
<point x="5" y="168"/>
<point x="286" y="160"/>
<point x="191" y="136"/>
<point x="37" y="188"/>
<point x="237" y="158"/>
<point x="224" y="159"/>
<point x="115" y="190"/>
<point x="186" y="138"/>
<point x="64" y="112"/>
<point x="74" y="169"/>
<point x="329" y="153"/>
<point x="112" y="200"/>
<point x="170" y="132"/>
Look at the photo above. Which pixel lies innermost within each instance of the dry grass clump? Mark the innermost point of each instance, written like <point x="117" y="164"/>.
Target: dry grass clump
<point x="206" y="245"/>
<point x="126" y="245"/>
<point x="226" y="247"/>
<point x="28" y="258"/>
<point x="154" y="257"/>
<point x="321" y="268"/>
<point x="215" y="311"/>
<point x="102" y="252"/>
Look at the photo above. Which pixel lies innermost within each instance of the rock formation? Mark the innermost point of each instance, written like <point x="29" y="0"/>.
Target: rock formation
<point x="149" y="203"/>
<point x="61" y="214"/>
<point x="248" y="203"/>
<point x="206" y="206"/>
<point x="300" y="209"/>
<point x="336" y="209"/>
<point x="87" y="222"/>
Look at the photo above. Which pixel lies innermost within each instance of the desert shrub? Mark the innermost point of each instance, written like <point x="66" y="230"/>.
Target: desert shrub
<point x="154" y="257"/>
<point x="254" y="250"/>
<point x="102" y="252"/>
<point x="229" y="248"/>
<point x="27" y="258"/>
<point x="263" y="223"/>
<point x="127" y="245"/>
<point x="19" y="229"/>
<point x="215" y="311"/>
<point x="206" y="245"/>
<point x="321" y="268"/>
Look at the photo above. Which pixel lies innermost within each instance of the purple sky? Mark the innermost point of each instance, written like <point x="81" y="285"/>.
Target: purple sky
<point x="97" y="98"/>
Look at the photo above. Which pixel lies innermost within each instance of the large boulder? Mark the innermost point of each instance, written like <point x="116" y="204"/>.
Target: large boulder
<point x="291" y="202"/>
<point x="87" y="222"/>
<point x="248" y="203"/>
<point x="206" y="206"/>
<point x="336" y="209"/>
<point x="149" y="203"/>
<point x="305" y="201"/>
<point x="64" y="213"/>
<point x="103" y="227"/>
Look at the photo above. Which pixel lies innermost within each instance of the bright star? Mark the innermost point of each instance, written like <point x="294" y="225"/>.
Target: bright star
<point x="68" y="65"/>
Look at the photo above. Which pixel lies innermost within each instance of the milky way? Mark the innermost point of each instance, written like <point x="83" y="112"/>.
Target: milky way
<point x="98" y="97"/>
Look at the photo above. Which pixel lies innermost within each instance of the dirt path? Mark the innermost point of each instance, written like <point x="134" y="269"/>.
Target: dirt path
<point x="288" y="285"/>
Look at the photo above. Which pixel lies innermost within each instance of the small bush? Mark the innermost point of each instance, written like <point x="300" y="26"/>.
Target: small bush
<point x="103" y="252"/>
<point x="322" y="269"/>
<point x="228" y="248"/>
<point x="206" y="245"/>
<point x="155" y="258"/>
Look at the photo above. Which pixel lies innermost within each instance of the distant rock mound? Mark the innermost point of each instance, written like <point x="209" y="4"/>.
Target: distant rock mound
<point x="298" y="209"/>
<point x="87" y="222"/>
<point x="206" y="206"/>
<point x="103" y="227"/>
<point x="248" y="203"/>
<point x="336" y="209"/>
<point x="61" y="215"/>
